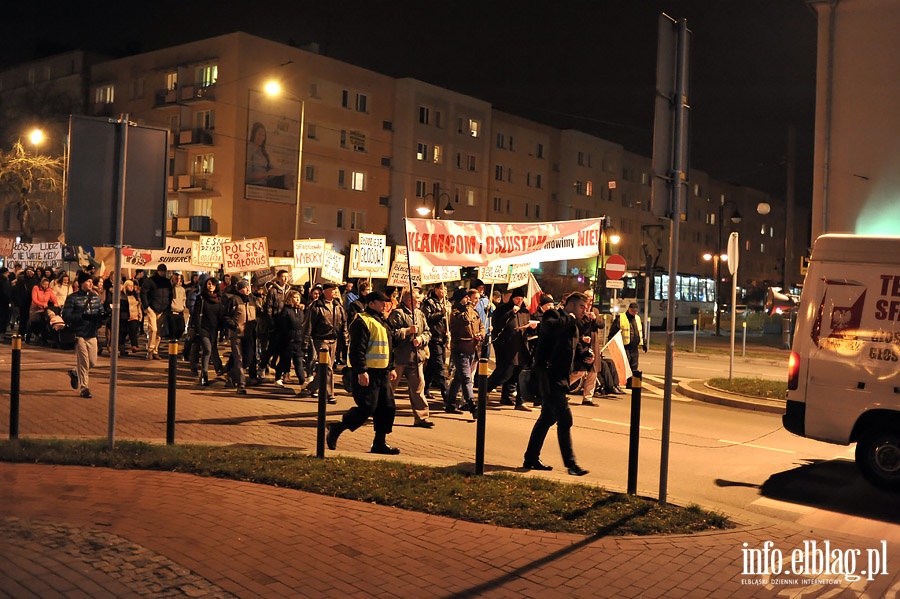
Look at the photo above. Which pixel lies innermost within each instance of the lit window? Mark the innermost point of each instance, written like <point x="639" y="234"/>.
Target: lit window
<point x="470" y="197"/>
<point x="207" y="75"/>
<point x="437" y="155"/>
<point x="202" y="207"/>
<point x="105" y="94"/>
<point x="171" y="208"/>
<point x="762" y="231"/>
<point x="421" y="151"/>
<point x="171" y="80"/>
<point x="589" y="188"/>
<point x="358" y="181"/>
<point x="474" y="127"/>
<point x="203" y="164"/>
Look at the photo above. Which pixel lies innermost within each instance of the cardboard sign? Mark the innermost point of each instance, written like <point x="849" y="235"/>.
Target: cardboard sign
<point x="6" y="245"/>
<point x="518" y="275"/>
<point x="176" y="256"/>
<point x="438" y="274"/>
<point x="333" y="270"/>
<point x="353" y="270"/>
<point x="373" y="252"/>
<point x="207" y="253"/>
<point x="38" y="254"/>
<point x="245" y="254"/>
<point x="309" y="253"/>
<point x="399" y="276"/>
<point x="494" y="274"/>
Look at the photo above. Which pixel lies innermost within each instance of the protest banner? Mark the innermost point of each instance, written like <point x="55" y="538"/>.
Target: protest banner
<point x="48" y="255"/>
<point x="309" y="253"/>
<point x="176" y="256"/>
<point x="333" y="270"/>
<point x="373" y="252"/>
<point x="207" y="253"/>
<point x="6" y="245"/>
<point x="353" y="270"/>
<point x="494" y="274"/>
<point x="518" y="275"/>
<point x="458" y="243"/>
<point x="245" y="254"/>
<point x="399" y="276"/>
<point x="437" y="274"/>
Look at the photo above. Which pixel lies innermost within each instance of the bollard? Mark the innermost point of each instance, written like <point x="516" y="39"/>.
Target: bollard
<point x="170" y="403"/>
<point x="482" y="415"/>
<point x="14" y="380"/>
<point x="648" y="332"/>
<point x="695" y="336"/>
<point x="323" y="396"/>
<point x="634" y="435"/>
<point x="744" y="350"/>
<point x="786" y="330"/>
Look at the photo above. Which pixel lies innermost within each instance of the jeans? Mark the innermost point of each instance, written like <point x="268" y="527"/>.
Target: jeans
<point x="465" y="366"/>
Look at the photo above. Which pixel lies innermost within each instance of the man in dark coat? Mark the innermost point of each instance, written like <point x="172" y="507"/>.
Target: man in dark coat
<point x="509" y="327"/>
<point x="156" y="297"/>
<point x="554" y="357"/>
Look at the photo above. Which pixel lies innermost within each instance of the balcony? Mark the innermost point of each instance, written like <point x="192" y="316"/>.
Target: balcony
<point x="165" y="97"/>
<point x="197" y="93"/>
<point x="190" y="224"/>
<point x="195" y="137"/>
<point x="188" y="183"/>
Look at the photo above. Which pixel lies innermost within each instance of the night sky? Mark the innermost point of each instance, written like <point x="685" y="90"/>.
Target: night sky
<point x="587" y="65"/>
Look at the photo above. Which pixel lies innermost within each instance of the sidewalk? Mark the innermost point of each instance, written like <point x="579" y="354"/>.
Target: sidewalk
<point x="90" y="532"/>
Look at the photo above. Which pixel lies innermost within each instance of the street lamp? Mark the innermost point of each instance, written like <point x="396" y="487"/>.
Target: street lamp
<point x="716" y="259"/>
<point x="273" y="89"/>
<point x="613" y="238"/>
<point x="424" y="210"/>
<point x="735" y="219"/>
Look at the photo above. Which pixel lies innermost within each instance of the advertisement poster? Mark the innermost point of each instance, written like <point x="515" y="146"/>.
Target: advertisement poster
<point x="273" y="147"/>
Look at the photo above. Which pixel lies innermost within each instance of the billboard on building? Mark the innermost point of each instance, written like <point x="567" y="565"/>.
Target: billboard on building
<point x="273" y="148"/>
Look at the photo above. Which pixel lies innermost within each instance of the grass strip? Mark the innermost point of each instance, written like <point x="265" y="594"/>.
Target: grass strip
<point x="501" y="499"/>
<point x="751" y="386"/>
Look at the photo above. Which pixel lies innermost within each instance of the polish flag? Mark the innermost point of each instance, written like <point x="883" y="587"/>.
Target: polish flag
<point x="615" y="350"/>
<point x="533" y="294"/>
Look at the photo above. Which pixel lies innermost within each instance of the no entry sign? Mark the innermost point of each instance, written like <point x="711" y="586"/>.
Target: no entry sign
<point x="615" y="267"/>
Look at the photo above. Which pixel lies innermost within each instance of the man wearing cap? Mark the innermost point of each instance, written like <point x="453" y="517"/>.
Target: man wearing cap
<point x="509" y="326"/>
<point x="325" y="322"/>
<point x="632" y="334"/>
<point x="83" y="311"/>
<point x="240" y="319"/>
<point x="371" y="359"/>
<point x="466" y="333"/>
<point x="156" y="297"/>
<point x="410" y="336"/>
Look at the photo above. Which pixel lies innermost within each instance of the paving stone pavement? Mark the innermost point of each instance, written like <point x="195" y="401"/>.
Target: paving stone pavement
<point x="94" y="532"/>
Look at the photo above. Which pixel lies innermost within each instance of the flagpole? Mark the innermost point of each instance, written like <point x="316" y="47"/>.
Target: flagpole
<point x="409" y="279"/>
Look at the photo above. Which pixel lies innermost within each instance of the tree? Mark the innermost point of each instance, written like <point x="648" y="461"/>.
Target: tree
<point x="27" y="182"/>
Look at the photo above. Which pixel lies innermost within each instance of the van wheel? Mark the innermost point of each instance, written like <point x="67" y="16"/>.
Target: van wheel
<point x="878" y="457"/>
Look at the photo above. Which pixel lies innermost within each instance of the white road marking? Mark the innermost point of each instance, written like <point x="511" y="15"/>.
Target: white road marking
<point x="755" y="446"/>
<point x="646" y="428"/>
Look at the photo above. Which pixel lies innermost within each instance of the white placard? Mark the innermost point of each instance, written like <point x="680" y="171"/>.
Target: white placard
<point x="399" y="276"/>
<point x="333" y="269"/>
<point x="494" y="274"/>
<point x="373" y="252"/>
<point x="438" y="274"/>
<point x="354" y="271"/>
<point x="208" y="251"/>
<point x="38" y="254"/>
<point x="518" y="275"/>
<point x="309" y="253"/>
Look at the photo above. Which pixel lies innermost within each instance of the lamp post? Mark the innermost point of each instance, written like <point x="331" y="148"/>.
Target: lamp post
<point x="601" y="257"/>
<point x="716" y="259"/>
<point x="735" y="219"/>
<point x="436" y="197"/>
<point x="273" y="88"/>
<point x="37" y="137"/>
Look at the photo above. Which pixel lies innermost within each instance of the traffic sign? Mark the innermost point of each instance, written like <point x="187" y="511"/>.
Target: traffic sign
<point x="615" y="267"/>
<point x="611" y="284"/>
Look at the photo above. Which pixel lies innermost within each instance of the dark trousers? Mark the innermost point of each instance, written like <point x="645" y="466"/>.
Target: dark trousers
<point x="375" y="401"/>
<point x="291" y="357"/>
<point x="129" y="329"/>
<point x="434" y="369"/>
<point x="554" y="410"/>
<point x="5" y="314"/>
<point x="507" y="374"/>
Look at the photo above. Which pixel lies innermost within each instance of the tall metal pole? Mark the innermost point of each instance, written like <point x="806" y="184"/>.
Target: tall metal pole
<point x="299" y="170"/>
<point x="679" y="175"/>
<point x="116" y="288"/>
<point x="716" y="266"/>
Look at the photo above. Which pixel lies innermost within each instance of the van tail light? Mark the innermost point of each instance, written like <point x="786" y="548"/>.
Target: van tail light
<point x="793" y="371"/>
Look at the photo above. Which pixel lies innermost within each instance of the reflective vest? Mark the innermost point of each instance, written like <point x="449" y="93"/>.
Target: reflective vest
<point x="377" y="350"/>
<point x="625" y="327"/>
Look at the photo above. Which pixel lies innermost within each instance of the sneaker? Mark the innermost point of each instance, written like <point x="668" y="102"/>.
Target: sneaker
<point x="279" y="382"/>
<point x="332" y="400"/>
<point x="73" y="379"/>
<point x="86" y="393"/>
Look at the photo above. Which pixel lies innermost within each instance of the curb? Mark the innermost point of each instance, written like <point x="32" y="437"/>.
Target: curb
<point x="697" y="389"/>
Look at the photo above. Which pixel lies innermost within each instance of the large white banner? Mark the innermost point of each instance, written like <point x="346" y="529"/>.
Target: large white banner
<point x="176" y="256"/>
<point x="48" y="255"/>
<point x="461" y="243"/>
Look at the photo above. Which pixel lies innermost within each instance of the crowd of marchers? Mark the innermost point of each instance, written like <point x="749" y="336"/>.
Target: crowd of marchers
<point x="276" y="332"/>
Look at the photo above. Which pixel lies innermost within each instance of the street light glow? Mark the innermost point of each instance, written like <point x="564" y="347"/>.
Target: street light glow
<point x="615" y="239"/>
<point x="272" y="88"/>
<point x="36" y="137"/>
<point x="423" y="210"/>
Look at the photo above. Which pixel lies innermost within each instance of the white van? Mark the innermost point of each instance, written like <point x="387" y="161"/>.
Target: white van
<point x="844" y="374"/>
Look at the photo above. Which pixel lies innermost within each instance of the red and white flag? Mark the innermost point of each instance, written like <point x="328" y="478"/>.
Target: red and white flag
<point x="615" y="351"/>
<point x="533" y="293"/>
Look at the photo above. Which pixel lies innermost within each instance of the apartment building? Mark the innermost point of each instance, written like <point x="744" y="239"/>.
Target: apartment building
<point x="362" y="151"/>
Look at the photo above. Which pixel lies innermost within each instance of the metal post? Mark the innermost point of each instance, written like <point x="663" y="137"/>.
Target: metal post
<point x="695" y="337"/>
<point x="170" y="400"/>
<point x="116" y="288"/>
<point x="634" y="435"/>
<point x="744" y="350"/>
<point x="323" y="397"/>
<point x="482" y="415"/>
<point x="14" y="380"/>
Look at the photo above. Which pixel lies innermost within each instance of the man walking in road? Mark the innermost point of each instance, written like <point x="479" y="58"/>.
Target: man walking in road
<point x="410" y="335"/>
<point x="156" y="297"/>
<point x="83" y="311"/>
<point x="554" y="357"/>
<point x="371" y="358"/>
